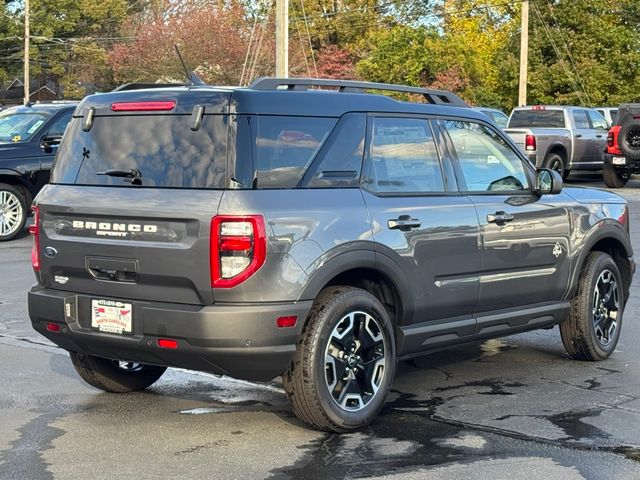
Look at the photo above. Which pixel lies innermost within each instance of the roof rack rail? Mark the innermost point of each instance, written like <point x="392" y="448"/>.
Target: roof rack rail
<point x="436" y="97"/>
<point x="139" y="86"/>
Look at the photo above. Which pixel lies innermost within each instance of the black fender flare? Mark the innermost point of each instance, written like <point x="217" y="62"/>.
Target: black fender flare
<point x="603" y="230"/>
<point x="21" y="180"/>
<point x="363" y="258"/>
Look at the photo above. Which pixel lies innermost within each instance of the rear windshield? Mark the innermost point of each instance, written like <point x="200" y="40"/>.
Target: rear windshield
<point x="537" y="118"/>
<point x="163" y="148"/>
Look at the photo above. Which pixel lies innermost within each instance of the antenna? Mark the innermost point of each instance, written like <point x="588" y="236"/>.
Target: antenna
<point x="192" y="77"/>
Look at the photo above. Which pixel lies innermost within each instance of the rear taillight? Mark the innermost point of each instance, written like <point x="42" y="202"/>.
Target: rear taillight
<point x="612" y="141"/>
<point x="35" y="231"/>
<point x="530" y="142"/>
<point x="238" y="248"/>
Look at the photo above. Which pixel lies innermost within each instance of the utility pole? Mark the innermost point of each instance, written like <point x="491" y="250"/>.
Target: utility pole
<point x="282" y="38"/>
<point x="524" y="53"/>
<point x="26" y="51"/>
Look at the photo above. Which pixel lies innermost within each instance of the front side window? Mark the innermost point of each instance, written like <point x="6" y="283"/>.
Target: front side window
<point x="20" y="126"/>
<point x="403" y="157"/>
<point x="59" y="126"/>
<point x="598" y="121"/>
<point x="285" y="147"/>
<point x="487" y="162"/>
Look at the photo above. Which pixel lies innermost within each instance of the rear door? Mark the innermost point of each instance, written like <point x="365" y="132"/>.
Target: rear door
<point x="134" y="237"/>
<point x="524" y="237"/>
<point x="421" y="222"/>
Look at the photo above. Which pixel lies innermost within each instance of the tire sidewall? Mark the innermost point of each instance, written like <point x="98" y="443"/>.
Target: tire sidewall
<point x="618" y="181"/>
<point x="330" y="318"/>
<point x="604" y="262"/>
<point x="556" y="158"/>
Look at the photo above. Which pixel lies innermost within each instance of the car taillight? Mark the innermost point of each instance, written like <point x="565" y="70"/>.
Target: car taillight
<point x="238" y="248"/>
<point x="530" y="142"/>
<point x="35" y="231"/>
<point x="612" y="141"/>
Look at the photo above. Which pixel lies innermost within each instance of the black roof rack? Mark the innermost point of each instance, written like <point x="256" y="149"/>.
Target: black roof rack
<point x="436" y="97"/>
<point x="139" y="86"/>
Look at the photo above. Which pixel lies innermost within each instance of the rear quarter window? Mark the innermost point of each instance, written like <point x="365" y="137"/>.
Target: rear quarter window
<point x="162" y="147"/>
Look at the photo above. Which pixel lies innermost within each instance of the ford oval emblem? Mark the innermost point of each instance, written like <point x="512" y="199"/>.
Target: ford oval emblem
<point x="50" y="252"/>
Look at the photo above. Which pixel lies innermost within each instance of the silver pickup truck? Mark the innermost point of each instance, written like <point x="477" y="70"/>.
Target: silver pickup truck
<point x="560" y="137"/>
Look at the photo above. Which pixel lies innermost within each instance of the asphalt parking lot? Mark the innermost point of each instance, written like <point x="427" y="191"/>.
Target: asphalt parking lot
<point x="514" y="408"/>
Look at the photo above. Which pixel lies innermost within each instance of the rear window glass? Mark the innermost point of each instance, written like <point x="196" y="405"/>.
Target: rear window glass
<point x="537" y="118"/>
<point x="163" y="148"/>
<point x="285" y="147"/>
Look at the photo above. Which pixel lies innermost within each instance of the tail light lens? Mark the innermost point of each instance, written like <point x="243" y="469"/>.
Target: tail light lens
<point x="238" y="248"/>
<point x="612" y="141"/>
<point x="530" y="142"/>
<point x="35" y="231"/>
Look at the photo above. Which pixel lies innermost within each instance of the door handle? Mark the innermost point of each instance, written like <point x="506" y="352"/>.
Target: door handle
<point x="599" y="136"/>
<point x="404" y="223"/>
<point x="499" y="217"/>
<point x="578" y="135"/>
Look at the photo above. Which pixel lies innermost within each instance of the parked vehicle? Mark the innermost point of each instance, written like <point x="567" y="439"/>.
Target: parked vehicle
<point x="29" y="138"/>
<point x="558" y="137"/>
<point x="496" y="116"/>
<point x="622" y="155"/>
<point x="609" y="114"/>
<point x="321" y="235"/>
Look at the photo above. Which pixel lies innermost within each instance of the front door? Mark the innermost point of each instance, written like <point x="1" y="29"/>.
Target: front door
<point x="422" y="224"/>
<point x="524" y="237"/>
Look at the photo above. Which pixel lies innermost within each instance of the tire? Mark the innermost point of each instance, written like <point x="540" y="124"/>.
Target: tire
<point x="13" y="212"/>
<point x="323" y="393"/>
<point x="580" y="336"/>
<point x="113" y="376"/>
<point x="629" y="139"/>
<point x="612" y="177"/>
<point x="554" y="161"/>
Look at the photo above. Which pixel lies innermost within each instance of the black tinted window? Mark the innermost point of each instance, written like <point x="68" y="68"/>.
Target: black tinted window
<point x="486" y="160"/>
<point x="340" y="159"/>
<point x="537" y="118"/>
<point x="162" y="147"/>
<point x="60" y="124"/>
<point x="285" y="146"/>
<point x="403" y="157"/>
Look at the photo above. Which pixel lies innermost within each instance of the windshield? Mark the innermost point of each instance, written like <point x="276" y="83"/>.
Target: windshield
<point x="537" y="118"/>
<point x="20" y="126"/>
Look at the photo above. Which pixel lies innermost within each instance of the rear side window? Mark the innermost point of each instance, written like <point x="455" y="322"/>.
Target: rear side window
<point x="580" y="119"/>
<point x="285" y="146"/>
<point x="403" y="157"/>
<point x="162" y="147"/>
<point x="537" y="118"/>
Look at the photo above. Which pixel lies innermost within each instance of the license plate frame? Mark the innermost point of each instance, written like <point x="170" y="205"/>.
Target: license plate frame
<point x="618" y="161"/>
<point x="111" y="316"/>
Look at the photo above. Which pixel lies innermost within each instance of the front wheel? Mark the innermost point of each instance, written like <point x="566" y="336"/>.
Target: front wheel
<point x="113" y="375"/>
<point x="613" y="177"/>
<point x="344" y="362"/>
<point x="13" y="212"/>
<point x="592" y="330"/>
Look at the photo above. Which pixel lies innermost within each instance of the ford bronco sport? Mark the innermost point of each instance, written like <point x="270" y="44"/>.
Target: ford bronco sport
<point x="314" y="230"/>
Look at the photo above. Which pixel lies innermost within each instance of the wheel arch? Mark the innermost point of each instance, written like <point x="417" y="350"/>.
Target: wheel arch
<point x="15" y="178"/>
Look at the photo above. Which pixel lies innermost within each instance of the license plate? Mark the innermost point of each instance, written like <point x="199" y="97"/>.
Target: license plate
<point x="619" y="161"/>
<point x="111" y="316"/>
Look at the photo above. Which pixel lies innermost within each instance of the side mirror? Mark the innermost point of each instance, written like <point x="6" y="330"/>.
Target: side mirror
<point x="548" y="182"/>
<point x="50" y="141"/>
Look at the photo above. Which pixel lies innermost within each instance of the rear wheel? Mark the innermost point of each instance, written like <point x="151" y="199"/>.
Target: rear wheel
<point x="592" y="330"/>
<point x="614" y="177"/>
<point x="13" y="212"/>
<point x="113" y="375"/>
<point x="344" y="362"/>
<point x="554" y="161"/>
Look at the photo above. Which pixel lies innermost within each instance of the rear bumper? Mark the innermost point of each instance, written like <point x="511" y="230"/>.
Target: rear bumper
<point x="240" y="340"/>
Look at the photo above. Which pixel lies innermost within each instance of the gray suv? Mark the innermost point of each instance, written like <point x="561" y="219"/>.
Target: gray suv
<point x="313" y="230"/>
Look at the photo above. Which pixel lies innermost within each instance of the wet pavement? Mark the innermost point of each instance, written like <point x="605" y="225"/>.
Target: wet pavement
<point x="514" y="408"/>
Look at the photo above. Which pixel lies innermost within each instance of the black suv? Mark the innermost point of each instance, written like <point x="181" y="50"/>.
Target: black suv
<point x="314" y="230"/>
<point x="29" y="138"/>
